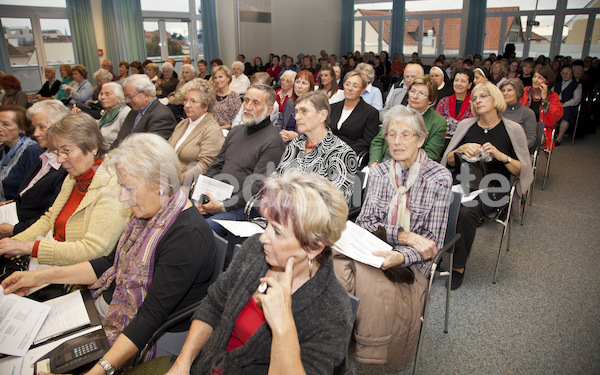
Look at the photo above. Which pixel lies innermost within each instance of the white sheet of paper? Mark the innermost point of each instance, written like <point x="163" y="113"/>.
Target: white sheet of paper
<point x="466" y="197"/>
<point x="24" y="365"/>
<point x="68" y="313"/>
<point x="358" y="243"/>
<point x="220" y="190"/>
<point x="8" y="213"/>
<point x="20" y="320"/>
<point x="241" y="228"/>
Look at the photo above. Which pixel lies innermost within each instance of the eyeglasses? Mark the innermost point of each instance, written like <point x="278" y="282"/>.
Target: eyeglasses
<point x="63" y="153"/>
<point x="301" y="111"/>
<point x="354" y="86"/>
<point x="419" y="94"/>
<point x="481" y="96"/>
<point x="404" y="135"/>
<point x="129" y="97"/>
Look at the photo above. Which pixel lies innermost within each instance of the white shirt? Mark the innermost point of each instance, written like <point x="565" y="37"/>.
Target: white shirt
<point x="191" y="126"/>
<point x="345" y="114"/>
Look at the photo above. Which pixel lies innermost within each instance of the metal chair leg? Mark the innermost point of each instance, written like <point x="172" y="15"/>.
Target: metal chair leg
<point x="448" y="293"/>
<point x="499" y="254"/>
<point x="547" y="172"/>
<point x="576" y="123"/>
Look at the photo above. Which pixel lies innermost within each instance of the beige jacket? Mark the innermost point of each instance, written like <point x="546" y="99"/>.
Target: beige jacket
<point x="91" y="232"/>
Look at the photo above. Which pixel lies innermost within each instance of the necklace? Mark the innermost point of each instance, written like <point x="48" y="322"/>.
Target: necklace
<point x="309" y="146"/>
<point x="486" y="130"/>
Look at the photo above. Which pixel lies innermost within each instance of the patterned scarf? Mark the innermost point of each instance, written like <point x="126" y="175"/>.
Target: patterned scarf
<point x="134" y="264"/>
<point x="109" y="116"/>
<point x="399" y="209"/>
<point x="11" y="159"/>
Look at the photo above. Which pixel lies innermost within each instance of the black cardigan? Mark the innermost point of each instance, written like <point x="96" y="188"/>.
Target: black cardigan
<point x="360" y="127"/>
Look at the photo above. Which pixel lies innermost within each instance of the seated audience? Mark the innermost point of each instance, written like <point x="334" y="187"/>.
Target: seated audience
<point x="198" y="138"/>
<point x="275" y="69"/>
<point x="13" y="93"/>
<point x="108" y="65"/>
<point x="371" y="94"/>
<point x="329" y="86"/>
<point x="570" y="92"/>
<point x="258" y="66"/>
<point x="457" y="107"/>
<point x="18" y="152"/>
<point x="216" y="62"/>
<point x="513" y="70"/>
<point x="137" y="67"/>
<point x="168" y="82"/>
<point x="498" y="73"/>
<point x="286" y="91"/>
<point x="228" y="101"/>
<point x="444" y="86"/>
<point x="239" y="81"/>
<point x="480" y="76"/>
<point x="141" y="283"/>
<point x="86" y="219"/>
<point x="152" y="72"/>
<point x="248" y="150"/>
<point x="352" y="119"/>
<point x="123" y="70"/>
<point x="307" y="313"/>
<point x="65" y="74"/>
<point x="527" y="74"/>
<point x="258" y="78"/>
<point x="50" y="87"/>
<point x="288" y="65"/>
<point x="398" y="93"/>
<point x="505" y="142"/>
<point x="82" y="90"/>
<point x="512" y="90"/>
<point x="388" y="319"/>
<point x="148" y="114"/>
<point x="421" y="94"/>
<point x="116" y="110"/>
<point x="317" y="150"/>
<point x="203" y="70"/>
<point x="543" y="101"/>
<point x="286" y="123"/>
<point x="175" y="104"/>
<point x="43" y="180"/>
<point x="93" y="107"/>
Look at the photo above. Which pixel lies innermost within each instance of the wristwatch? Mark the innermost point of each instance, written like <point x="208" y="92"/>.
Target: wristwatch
<point x="108" y="368"/>
<point x="508" y="160"/>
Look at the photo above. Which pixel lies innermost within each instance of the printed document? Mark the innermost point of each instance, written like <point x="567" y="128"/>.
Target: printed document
<point x="218" y="189"/>
<point x="68" y="313"/>
<point x="358" y="243"/>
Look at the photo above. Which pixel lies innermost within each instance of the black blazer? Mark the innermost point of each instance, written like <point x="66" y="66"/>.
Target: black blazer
<point x="360" y="127"/>
<point x="37" y="200"/>
<point x="158" y="119"/>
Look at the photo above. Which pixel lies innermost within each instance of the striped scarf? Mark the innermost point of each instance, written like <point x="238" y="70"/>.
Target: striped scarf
<point x="134" y="264"/>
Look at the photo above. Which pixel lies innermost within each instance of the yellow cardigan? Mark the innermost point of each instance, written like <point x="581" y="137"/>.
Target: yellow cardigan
<point x="91" y="232"/>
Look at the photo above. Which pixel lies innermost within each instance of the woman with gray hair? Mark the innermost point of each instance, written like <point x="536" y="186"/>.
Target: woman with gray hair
<point x="44" y="179"/>
<point x="115" y="111"/>
<point x="512" y="90"/>
<point x="168" y="83"/>
<point x="86" y="219"/>
<point x="162" y="264"/>
<point x="198" y="138"/>
<point x="93" y="107"/>
<point x="407" y="206"/>
<point x="239" y="82"/>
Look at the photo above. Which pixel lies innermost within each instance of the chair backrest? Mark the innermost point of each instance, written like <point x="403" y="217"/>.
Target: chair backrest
<point x="453" y="216"/>
<point x="539" y="133"/>
<point x="221" y="252"/>
<point x="357" y="193"/>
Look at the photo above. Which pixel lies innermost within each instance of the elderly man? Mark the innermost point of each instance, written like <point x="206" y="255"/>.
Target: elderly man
<point x="168" y="82"/>
<point x="239" y="81"/>
<point x="107" y="64"/>
<point x="258" y="78"/>
<point x="399" y="92"/>
<point x="148" y="114"/>
<point x="50" y="87"/>
<point x="371" y="95"/>
<point x="249" y="153"/>
<point x="175" y="99"/>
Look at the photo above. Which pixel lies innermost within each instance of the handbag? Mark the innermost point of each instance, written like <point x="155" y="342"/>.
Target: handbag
<point x="478" y="169"/>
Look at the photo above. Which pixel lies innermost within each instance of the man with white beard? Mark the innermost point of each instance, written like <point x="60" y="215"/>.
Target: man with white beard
<point x="249" y="154"/>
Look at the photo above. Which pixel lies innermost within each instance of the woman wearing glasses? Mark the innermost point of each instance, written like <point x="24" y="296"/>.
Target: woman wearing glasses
<point x="487" y="137"/>
<point x="406" y="206"/>
<point x="422" y="94"/>
<point x="86" y="218"/>
<point x="352" y="119"/>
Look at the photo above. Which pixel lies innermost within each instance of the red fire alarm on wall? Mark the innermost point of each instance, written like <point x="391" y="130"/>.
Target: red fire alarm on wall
<point x="100" y="52"/>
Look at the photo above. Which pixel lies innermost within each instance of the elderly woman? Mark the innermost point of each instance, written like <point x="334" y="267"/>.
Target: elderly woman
<point x="18" y="152"/>
<point x="116" y="110"/>
<point x="168" y="83"/>
<point x="14" y="94"/>
<point x="228" y="101"/>
<point x="93" y="107"/>
<point x="203" y="70"/>
<point x="286" y="123"/>
<point x="317" y="150"/>
<point x="65" y="74"/>
<point x="239" y="82"/>
<point x="329" y="86"/>
<point x="352" y="119"/>
<point x="421" y="94"/>
<point x="543" y="101"/>
<point x="43" y="180"/>
<point x="407" y="206"/>
<point x="286" y="91"/>
<point x="152" y="73"/>
<point x="148" y="277"/>
<point x="457" y="107"/>
<point x="284" y="278"/>
<point x="123" y="70"/>
<point x="198" y="138"/>
<point x="82" y="90"/>
<point x="175" y="99"/>
<point x="444" y="87"/>
<point x="371" y="94"/>
<point x="503" y="142"/>
<point x="512" y="90"/>
<point x="569" y="91"/>
<point x="50" y="87"/>
<point x="86" y="218"/>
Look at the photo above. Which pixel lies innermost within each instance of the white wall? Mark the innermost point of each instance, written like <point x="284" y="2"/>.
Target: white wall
<point x="226" y="20"/>
<point x="99" y="29"/>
